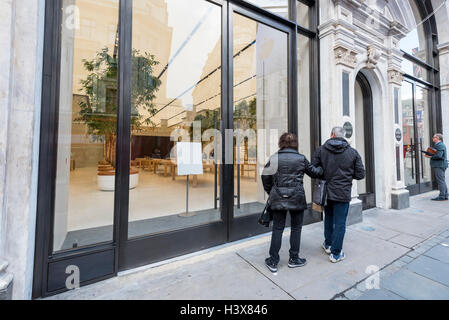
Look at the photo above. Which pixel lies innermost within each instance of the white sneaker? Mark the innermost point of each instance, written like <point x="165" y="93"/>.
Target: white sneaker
<point x="338" y="258"/>
<point x="327" y="249"/>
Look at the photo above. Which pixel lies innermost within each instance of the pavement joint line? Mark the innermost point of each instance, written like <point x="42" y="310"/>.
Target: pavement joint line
<point x="364" y="279"/>
<point x="342" y="294"/>
<point x="265" y="276"/>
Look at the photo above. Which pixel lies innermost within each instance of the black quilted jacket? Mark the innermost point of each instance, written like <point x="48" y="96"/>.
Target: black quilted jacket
<point x="282" y="179"/>
<point x="341" y="165"/>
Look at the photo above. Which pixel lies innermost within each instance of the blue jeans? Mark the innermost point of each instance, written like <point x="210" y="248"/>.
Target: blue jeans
<point x="335" y="224"/>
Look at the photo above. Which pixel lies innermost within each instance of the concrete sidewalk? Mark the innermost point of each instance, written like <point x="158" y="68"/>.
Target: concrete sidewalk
<point x="386" y="240"/>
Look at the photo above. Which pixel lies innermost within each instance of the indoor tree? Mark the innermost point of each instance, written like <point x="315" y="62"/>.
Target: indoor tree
<point x="99" y="112"/>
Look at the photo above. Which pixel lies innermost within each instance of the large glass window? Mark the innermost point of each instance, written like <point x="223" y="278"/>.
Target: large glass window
<point x="176" y="97"/>
<point x="84" y="199"/>
<point x="260" y="106"/>
<point x="304" y="127"/>
<point x="408" y="131"/>
<point x="414" y="43"/>
<point x="279" y="7"/>
<point x="303" y="15"/>
<point x="416" y="133"/>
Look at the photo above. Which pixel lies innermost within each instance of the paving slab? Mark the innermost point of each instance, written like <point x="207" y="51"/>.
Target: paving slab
<point x="362" y="252"/>
<point x="199" y="281"/>
<point x="430" y="268"/>
<point x="407" y="240"/>
<point x="379" y="294"/>
<point x="372" y="229"/>
<point x="412" y="286"/>
<point x="439" y="252"/>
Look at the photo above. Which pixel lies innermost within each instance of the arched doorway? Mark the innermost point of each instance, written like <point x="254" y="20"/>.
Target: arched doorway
<point x="364" y="139"/>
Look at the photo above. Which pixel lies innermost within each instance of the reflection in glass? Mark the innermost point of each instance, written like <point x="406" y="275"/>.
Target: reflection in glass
<point x="422" y="125"/>
<point x="279" y="7"/>
<point x="414" y="69"/>
<point x="84" y="199"/>
<point x="176" y="82"/>
<point x="304" y="129"/>
<point x="414" y="42"/>
<point x="260" y="106"/>
<point x="408" y="132"/>
<point x="303" y="14"/>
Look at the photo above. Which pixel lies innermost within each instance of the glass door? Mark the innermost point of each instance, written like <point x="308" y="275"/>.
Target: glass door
<point x="176" y="108"/>
<point x="260" y="110"/>
<point x="417" y="137"/>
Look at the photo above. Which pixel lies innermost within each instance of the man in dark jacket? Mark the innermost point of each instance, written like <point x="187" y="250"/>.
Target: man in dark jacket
<point x="439" y="164"/>
<point x="341" y="164"/>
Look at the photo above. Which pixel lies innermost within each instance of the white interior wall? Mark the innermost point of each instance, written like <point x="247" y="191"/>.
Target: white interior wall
<point x="64" y="133"/>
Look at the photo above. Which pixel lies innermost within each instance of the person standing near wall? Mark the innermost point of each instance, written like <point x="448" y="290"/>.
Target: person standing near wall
<point x="439" y="164"/>
<point x="341" y="164"/>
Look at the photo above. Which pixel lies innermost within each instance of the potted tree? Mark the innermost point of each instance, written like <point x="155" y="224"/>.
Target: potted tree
<point x="99" y="110"/>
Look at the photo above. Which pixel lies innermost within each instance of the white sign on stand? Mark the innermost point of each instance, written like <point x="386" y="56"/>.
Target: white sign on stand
<point x="189" y="157"/>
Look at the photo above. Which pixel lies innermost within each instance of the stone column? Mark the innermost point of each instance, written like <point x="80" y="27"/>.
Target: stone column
<point x="6" y="10"/>
<point x="21" y="40"/>
<point x="339" y="56"/>
<point x="399" y="194"/>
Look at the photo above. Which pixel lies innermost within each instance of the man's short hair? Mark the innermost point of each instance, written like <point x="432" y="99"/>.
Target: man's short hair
<point x="439" y="136"/>
<point x="338" y="132"/>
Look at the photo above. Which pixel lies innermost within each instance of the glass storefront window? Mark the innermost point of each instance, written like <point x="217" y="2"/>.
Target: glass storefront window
<point x="304" y="128"/>
<point x="415" y="70"/>
<point x="303" y="15"/>
<point x="423" y="130"/>
<point x="176" y="85"/>
<point x="408" y="131"/>
<point x="416" y="116"/>
<point x="414" y="43"/>
<point x="279" y="7"/>
<point x="84" y="199"/>
<point x="260" y="106"/>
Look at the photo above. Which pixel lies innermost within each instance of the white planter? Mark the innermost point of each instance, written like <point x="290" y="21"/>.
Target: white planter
<point x="107" y="183"/>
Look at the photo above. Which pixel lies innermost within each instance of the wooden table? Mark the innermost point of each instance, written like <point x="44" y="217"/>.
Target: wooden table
<point x="250" y="165"/>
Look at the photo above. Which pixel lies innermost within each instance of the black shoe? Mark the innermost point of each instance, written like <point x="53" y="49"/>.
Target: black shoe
<point x="439" y="199"/>
<point x="297" y="262"/>
<point x="273" y="267"/>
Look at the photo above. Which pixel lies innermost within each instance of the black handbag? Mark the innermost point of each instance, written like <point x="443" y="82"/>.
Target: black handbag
<point x="319" y="196"/>
<point x="266" y="216"/>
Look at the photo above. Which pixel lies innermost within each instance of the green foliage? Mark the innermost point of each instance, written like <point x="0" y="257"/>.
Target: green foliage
<point x="99" y="113"/>
<point x="245" y="114"/>
<point x="100" y="85"/>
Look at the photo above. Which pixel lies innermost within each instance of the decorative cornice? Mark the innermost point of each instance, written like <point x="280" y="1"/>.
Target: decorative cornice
<point x="345" y="56"/>
<point x="395" y="76"/>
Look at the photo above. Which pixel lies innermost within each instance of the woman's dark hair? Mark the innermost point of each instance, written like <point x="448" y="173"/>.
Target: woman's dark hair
<point x="288" y="140"/>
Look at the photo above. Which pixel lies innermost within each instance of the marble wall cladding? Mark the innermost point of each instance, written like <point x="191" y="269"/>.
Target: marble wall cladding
<point x="21" y="32"/>
<point x="5" y="60"/>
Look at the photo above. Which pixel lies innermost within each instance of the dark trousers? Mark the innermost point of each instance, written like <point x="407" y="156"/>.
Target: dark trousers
<point x="278" y="228"/>
<point x="335" y="224"/>
<point x="441" y="181"/>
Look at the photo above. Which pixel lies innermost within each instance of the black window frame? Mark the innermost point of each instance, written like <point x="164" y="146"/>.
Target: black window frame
<point x="45" y="259"/>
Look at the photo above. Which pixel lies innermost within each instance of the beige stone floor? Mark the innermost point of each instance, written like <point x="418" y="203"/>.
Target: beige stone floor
<point x="155" y="196"/>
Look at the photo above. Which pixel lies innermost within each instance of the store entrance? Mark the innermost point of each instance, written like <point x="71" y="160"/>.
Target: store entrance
<point x="365" y="139"/>
<point x="417" y="137"/>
